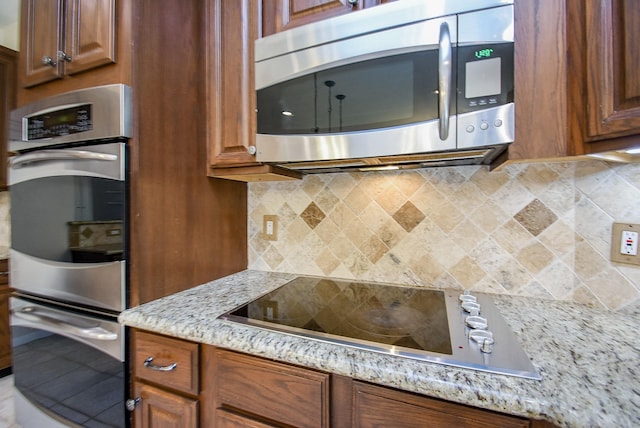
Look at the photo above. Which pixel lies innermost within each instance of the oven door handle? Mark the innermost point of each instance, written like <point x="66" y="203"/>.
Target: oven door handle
<point x="39" y="315"/>
<point x="59" y="154"/>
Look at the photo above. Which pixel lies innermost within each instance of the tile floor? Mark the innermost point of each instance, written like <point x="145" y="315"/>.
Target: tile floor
<point x="7" y="419"/>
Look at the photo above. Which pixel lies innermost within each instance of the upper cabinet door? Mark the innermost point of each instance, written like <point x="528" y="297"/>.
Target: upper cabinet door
<point x="90" y="34"/>
<point x="613" y="64"/>
<point x="64" y="37"/>
<point x="41" y="36"/>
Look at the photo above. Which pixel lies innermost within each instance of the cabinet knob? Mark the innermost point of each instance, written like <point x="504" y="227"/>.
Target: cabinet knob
<point x="252" y="150"/>
<point x="62" y="56"/>
<point x="47" y="60"/>
<point x="131" y="403"/>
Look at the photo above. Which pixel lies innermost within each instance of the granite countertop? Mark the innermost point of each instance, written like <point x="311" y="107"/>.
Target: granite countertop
<point x="588" y="359"/>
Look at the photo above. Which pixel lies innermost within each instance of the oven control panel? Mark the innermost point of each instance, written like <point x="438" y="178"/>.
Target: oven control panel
<point x="59" y="122"/>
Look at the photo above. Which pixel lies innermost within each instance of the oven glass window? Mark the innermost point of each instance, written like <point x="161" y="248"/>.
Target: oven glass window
<point x="69" y="218"/>
<point x="67" y="378"/>
<point x="379" y="93"/>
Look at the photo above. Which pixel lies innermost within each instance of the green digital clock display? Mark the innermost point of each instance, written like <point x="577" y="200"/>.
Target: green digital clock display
<point x="484" y="53"/>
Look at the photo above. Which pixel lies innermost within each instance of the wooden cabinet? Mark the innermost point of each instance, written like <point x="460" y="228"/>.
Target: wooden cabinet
<point x="166" y="381"/>
<point x="612" y="59"/>
<point x="252" y="390"/>
<point x="577" y="85"/>
<point x="385" y="407"/>
<point x="230" y="31"/>
<point x="66" y="37"/>
<point x="8" y="76"/>
<point x="5" y="331"/>
<point x="213" y="387"/>
<point x="280" y="15"/>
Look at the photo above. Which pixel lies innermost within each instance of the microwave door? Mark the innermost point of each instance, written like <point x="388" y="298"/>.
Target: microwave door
<point x="382" y="94"/>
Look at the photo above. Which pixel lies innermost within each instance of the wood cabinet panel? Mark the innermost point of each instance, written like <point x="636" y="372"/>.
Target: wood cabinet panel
<point x="272" y="391"/>
<point x="226" y="419"/>
<point x="540" y="80"/>
<point x="42" y="24"/>
<point x="161" y="409"/>
<point x="293" y="13"/>
<point x="90" y="34"/>
<point x="5" y="330"/>
<point x="231" y="29"/>
<point x="96" y="47"/>
<point x="613" y="60"/>
<point x="8" y="85"/>
<point x="281" y="15"/>
<point x="167" y="352"/>
<point x="384" y="407"/>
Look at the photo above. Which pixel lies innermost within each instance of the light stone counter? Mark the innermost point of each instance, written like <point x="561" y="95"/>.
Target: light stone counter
<point x="589" y="359"/>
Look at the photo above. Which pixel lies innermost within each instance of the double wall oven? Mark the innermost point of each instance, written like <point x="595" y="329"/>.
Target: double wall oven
<point x="68" y="191"/>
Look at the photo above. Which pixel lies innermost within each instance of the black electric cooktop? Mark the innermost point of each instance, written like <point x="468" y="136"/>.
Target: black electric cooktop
<point x="392" y="315"/>
<point x="413" y="322"/>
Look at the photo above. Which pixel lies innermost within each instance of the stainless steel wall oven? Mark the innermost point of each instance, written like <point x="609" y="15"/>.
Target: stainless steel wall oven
<point x="68" y="192"/>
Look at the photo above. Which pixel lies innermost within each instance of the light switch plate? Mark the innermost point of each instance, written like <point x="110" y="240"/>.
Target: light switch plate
<point x="616" y="243"/>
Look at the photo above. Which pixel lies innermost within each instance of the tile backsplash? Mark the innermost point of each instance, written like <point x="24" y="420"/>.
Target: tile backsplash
<point x="540" y="229"/>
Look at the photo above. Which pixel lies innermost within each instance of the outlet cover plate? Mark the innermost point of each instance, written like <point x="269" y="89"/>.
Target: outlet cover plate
<point x="616" y="238"/>
<point x="274" y="228"/>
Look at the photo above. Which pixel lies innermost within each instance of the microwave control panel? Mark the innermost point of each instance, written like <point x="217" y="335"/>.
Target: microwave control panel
<point x="59" y="122"/>
<point x="485" y="76"/>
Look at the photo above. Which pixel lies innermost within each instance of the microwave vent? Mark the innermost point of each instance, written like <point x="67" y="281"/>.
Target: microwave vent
<point x="398" y="162"/>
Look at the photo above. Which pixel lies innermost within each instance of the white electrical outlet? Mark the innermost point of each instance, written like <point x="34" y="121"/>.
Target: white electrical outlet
<point x="624" y="243"/>
<point x="629" y="243"/>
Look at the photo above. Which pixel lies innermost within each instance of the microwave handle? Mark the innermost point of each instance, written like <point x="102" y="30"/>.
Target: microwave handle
<point x="444" y="79"/>
<point x="53" y="154"/>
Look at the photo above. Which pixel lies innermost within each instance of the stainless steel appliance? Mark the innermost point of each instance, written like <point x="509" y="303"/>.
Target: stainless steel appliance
<point x="68" y="192"/>
<point x="402" y="85"/>
<point x="440" y="326"/>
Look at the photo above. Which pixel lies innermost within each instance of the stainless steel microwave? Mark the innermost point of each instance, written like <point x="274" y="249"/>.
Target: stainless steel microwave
<point x="407" y="84"/>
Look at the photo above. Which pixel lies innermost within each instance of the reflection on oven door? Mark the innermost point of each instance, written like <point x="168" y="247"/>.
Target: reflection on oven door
<point x="67" y="366"/>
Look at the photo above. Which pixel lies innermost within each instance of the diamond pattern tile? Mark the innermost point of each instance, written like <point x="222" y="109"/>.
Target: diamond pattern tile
<point x="540" y="229"/>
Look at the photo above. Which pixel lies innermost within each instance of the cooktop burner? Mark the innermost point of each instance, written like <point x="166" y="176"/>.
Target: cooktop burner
<point x="413" y="322"/>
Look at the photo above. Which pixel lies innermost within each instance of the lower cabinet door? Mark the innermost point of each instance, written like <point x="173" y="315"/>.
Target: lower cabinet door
<point x="225" y="419"/>
<point x="384" y="407"/>
<point x="162" y="409"/>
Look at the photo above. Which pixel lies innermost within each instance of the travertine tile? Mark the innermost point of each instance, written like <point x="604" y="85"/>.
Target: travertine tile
<point x="541" y="229"/>
<point x="536" y="217"/>
<point x="408" y="216"/>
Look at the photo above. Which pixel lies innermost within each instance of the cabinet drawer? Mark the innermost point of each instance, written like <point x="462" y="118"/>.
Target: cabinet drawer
<point x="173" y="364"/>
<point x="272" y="391"/>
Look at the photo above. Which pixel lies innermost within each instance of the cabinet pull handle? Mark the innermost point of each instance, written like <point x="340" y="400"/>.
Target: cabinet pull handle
<point x="170" y="367"/>
<point x="62" y="56"/>
<point x="444" y="79"/>
<point x="47" y="60"/>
